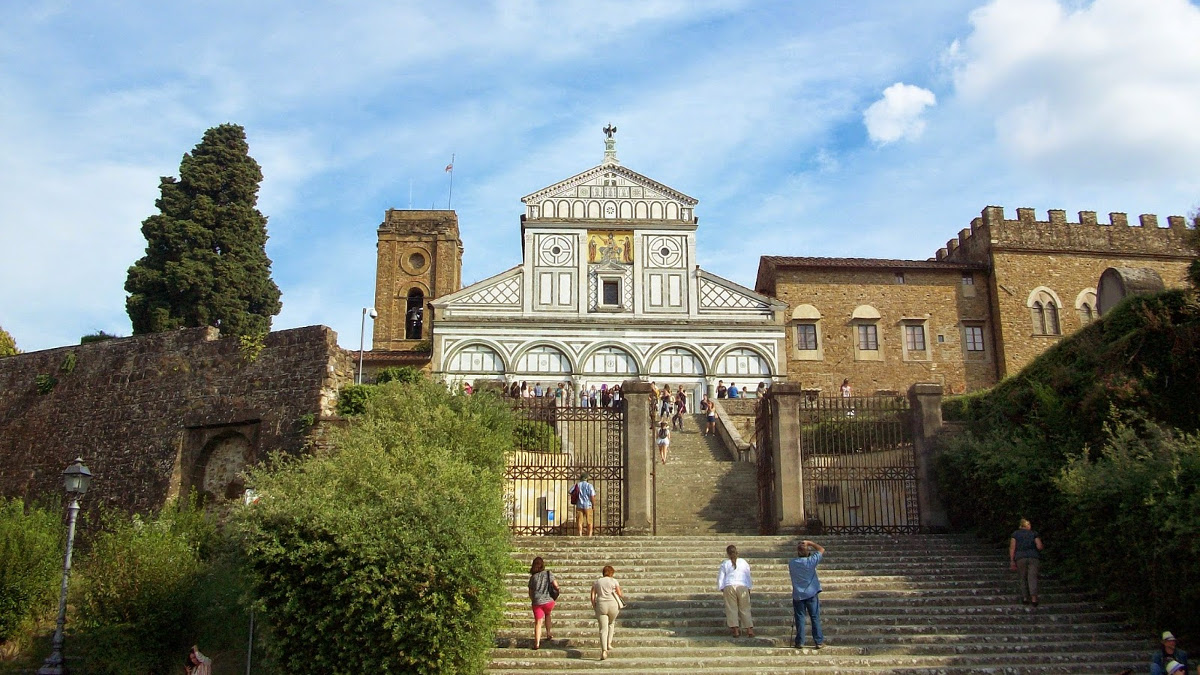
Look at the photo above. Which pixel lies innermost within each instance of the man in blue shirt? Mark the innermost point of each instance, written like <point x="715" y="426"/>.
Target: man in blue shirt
<point x="584" y="506"/>
<point x="806" y="590"/>
<point x="733" y="391"/>
<point x="1168" y="653"/>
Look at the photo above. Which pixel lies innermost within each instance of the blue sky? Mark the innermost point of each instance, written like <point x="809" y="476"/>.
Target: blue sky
<point x="865" y="129"/>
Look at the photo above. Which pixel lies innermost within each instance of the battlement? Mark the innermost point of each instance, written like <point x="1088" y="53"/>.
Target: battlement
<point x="991" y="230"/>
<point x="420" y="222"/>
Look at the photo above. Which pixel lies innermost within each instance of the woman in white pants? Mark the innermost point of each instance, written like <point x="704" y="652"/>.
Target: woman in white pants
<point x="607" y="600"/>
<point x="733" y="581"/>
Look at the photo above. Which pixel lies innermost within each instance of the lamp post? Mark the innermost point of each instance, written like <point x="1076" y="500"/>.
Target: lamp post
<point x="76" y="479"/>
<point x="362" y="331"/>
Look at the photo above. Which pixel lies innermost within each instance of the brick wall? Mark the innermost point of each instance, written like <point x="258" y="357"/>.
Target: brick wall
<point x="154" y="414"/>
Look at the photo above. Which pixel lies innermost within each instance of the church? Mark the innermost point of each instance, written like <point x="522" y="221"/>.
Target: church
<point x="609" y="289"/>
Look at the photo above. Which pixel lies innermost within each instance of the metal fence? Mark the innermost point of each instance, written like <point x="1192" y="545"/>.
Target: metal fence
<point x="859" y="465"/>
<point x="556" y="446"/>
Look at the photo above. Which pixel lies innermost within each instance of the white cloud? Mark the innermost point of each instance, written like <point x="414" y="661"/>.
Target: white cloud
<point x="897" y="115"/>
<point x="1089" y="89"/>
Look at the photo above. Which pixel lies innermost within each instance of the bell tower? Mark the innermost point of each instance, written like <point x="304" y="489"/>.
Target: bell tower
<point x="419" y="259"/>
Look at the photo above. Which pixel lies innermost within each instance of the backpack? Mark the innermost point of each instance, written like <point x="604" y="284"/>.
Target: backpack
<point x="574" y="493"/>
<point x="662" y="433"/>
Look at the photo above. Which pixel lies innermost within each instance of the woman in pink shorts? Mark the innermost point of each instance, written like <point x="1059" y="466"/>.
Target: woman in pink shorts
<point x="543" y="589"/>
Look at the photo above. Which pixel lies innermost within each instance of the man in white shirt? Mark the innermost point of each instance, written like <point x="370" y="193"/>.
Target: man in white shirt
<point x="733" y="580"/>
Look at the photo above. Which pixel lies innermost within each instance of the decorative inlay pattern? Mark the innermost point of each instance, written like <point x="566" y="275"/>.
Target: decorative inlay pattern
<point x="555" y="251"/>
<point x="506" y="292"/>
<point x="715" y="295"/>
<point x="665" y="251"/>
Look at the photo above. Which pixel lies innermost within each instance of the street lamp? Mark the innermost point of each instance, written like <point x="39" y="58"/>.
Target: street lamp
<point x="362" y="331"/>
<point x="76" y="479"/>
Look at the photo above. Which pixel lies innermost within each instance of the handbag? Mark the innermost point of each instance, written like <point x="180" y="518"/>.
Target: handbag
<point x="553" y="589"/>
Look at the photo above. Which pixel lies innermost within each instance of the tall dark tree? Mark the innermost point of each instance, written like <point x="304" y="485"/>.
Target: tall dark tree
<point x="206" y="263"/>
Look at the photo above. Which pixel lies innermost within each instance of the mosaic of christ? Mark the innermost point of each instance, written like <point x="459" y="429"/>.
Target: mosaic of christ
<point x="610" y="246"/>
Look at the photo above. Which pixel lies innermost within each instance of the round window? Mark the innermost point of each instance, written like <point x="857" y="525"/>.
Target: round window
<point x="556" y="250"/>
<point x="664" y="251"/>
<point x="416" y="261"/>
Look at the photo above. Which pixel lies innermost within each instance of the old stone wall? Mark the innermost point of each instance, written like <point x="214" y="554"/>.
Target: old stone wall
<point x="937" y="299"/>
<point x="158" y="414"/>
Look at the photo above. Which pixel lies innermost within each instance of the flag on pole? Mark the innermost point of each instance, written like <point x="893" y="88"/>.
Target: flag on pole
<point x="450" y="166"/>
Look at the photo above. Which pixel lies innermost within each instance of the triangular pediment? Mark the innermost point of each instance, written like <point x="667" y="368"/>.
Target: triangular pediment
<point x="500" y="291"/>
<point x="718" y="294"/>
<point x="611" y="182"/>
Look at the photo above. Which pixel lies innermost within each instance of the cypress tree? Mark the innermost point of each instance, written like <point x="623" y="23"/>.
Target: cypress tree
<point x="206" y="263"/>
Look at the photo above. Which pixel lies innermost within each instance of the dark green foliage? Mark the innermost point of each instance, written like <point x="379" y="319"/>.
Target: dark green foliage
<point x="68" y="363"/>
<point x="8" y="346"/>
<point x="402" y="374"/>
<point x="535" y="436"/>
<point x="31" y="554"/>
<point x="98" y="336"/>
<point x="1194" y="236"/>
<point x="45" y="383"/>
<point x="1134" y="514"/>
<point x="1125" y="388"/>
<point x="387" y="555"/>
<point x="205" y="262"/>
<point x="352" y="399"/>
<point x="134" y="592"/>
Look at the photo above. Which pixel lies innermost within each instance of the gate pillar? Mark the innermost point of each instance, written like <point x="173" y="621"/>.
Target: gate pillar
<point x="926" y="403"/>
<point x="784" y="399"/>
<point x="639" y="458"/>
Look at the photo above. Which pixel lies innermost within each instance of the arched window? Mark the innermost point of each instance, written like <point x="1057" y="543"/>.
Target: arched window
<point x="610" y="361"/>
<point x="1085" y="306"/>
<point x="743" y="362"/>
<point x="1043" y="311"/>
<point x="414" y="315"/>
<point x="676" y="361"/>
<point x="543" y="359"/>
<point x="475" y="359"/>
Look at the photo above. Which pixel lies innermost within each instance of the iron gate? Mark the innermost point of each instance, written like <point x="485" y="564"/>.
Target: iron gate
<point x="556" y="446"/>
<point x="859" y="465"/>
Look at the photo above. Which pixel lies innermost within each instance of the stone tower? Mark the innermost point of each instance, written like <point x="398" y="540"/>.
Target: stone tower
<point x="419" y="258"/>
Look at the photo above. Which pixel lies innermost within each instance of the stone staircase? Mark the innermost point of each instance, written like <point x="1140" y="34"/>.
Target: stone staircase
<point x="920" y="604"/>
<point x="700" y="490"/>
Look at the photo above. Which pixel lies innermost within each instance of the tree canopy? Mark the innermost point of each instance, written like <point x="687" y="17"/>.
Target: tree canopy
<point x="8" y="346"/>
<point x="206" y="262"/>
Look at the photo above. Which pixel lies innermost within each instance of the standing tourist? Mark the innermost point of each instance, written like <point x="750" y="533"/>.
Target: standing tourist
<point x="543" y="591"/>
<point x="709" y="407"/>
<point x="585" y="495"/>
<point x="664" y="399"/>
<point x="721" y="389"/>
<point x="197" y="663"/>
<point x="806" y="590"/>
<point x="1166" y="655"/>
<point x="607" y="601"/>
<point x="761" y="390"/>
<point x="663" y="441"/>
<point x="733" y="391"/>
<point x="680" y="410"/>
<point x="1023" y="556"/>
<point x="733" y="581"/>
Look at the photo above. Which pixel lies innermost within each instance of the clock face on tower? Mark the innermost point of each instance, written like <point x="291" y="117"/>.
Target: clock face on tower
<point x="665" y="252"/>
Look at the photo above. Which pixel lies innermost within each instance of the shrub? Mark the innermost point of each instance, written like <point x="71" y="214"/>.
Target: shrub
<point x="402" y="374"/>
<point x="98" y="336"/>
<point x="389" y="554"/>
<point x="31" y="554"/>
<point x="135" y="590"/>
<point x="352" y="399"/>
<point x="535" y="436"/>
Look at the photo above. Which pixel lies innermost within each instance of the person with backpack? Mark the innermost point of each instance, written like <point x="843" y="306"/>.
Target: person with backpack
<point x="583" y="496"/>
<point x="543" y="591"/>
<point x="663" y="441"/>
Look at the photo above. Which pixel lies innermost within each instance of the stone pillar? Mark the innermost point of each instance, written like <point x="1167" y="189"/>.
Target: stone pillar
<point x="639" y="459"/>
<point x="784" y="399"/>
<point x="926" y="403"/>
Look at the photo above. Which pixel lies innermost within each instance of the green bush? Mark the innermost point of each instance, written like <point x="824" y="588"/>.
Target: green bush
<point x="98" y="336"/>
<point x="31" y="554"/>
<point x="535" y="436"/>
<point x="402" y="374"/>
<point x="352" y="399"/>
<point x="387" y="555"/>
<point x="135" y="590"/>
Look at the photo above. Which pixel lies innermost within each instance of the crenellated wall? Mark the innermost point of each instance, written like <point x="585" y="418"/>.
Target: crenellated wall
<point x="1060" y="260"/>
<point x="156" y="414"/>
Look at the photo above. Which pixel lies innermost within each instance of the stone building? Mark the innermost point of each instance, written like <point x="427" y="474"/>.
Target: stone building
<point x="985" y="306"/>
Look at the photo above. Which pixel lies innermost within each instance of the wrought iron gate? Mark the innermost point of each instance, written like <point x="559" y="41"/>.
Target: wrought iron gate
<point x="859" y="465"/>
<point x="556" y="446"/>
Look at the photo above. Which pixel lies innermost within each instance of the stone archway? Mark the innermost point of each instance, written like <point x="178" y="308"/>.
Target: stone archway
<point x="223" y="461"/>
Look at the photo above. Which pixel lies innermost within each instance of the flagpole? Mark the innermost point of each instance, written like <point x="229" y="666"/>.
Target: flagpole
<point x="451" y="169"/>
